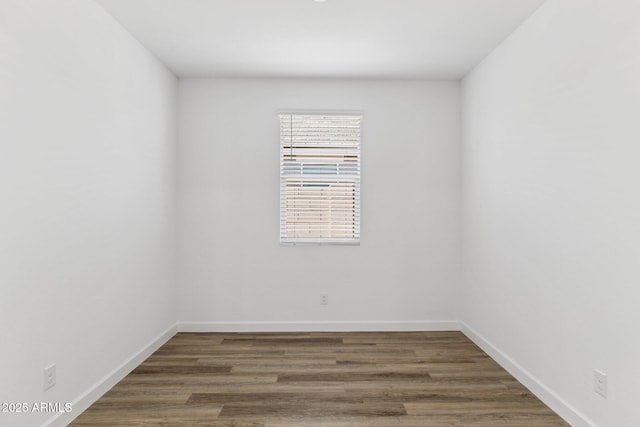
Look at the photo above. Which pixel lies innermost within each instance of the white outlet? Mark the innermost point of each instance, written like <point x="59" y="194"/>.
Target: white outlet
<point x="600" y="383"/>
<point x="49" y="376"/>
<point x="324" y="298"/>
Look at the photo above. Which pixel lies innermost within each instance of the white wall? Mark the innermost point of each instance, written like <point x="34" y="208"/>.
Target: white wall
<point x="233" y="273"/>
<point x="551" y="202"/>
<point x="87" y="199"/>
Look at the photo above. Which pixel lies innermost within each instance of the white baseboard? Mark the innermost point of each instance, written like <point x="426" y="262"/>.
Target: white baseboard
<point x="320" y="326"/>
<point x="544" y="393"/>
<point x="108" y="381"/>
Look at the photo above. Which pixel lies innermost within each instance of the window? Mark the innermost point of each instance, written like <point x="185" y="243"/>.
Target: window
<point x="319" y="179"/>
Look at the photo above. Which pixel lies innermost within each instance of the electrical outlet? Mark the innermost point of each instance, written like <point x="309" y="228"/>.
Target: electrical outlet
<point x="600" y="383"/>
<point x="49" y="376"/>
<point x="324" y="298"/>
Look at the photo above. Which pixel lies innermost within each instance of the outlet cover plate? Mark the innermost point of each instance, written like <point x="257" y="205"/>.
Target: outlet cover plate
<point x="49" y="376"/>
<point x="600" y="383"/>
<point x="324" y="298"/>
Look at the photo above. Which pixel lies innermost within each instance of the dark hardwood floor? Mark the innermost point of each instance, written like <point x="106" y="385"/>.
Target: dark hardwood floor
<point x="363" y="379"/>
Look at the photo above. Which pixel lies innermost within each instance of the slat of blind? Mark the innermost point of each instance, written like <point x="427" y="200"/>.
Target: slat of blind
<point x="320" y="178"/>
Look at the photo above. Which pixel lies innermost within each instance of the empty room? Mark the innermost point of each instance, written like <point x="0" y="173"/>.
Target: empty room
<point x="336" y="213"/>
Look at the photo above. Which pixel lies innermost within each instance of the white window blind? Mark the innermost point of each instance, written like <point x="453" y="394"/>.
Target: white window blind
<point x="319" y="179"/>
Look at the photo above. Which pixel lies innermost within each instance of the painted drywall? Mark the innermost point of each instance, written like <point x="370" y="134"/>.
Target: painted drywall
<point x="551" y="202"/>
<point x="87" y="200"/>
<point x="234" y="274"/>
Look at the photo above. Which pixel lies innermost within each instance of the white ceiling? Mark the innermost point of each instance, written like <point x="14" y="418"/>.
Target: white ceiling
<point x="441" y="39"/>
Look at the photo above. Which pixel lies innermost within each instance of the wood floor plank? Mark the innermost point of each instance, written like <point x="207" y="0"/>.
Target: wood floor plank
<point x="356" y="379"/>
<point x="419" y="421"/>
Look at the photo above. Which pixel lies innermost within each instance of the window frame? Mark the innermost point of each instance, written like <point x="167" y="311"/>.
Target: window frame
<point x="355" y="178"/>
